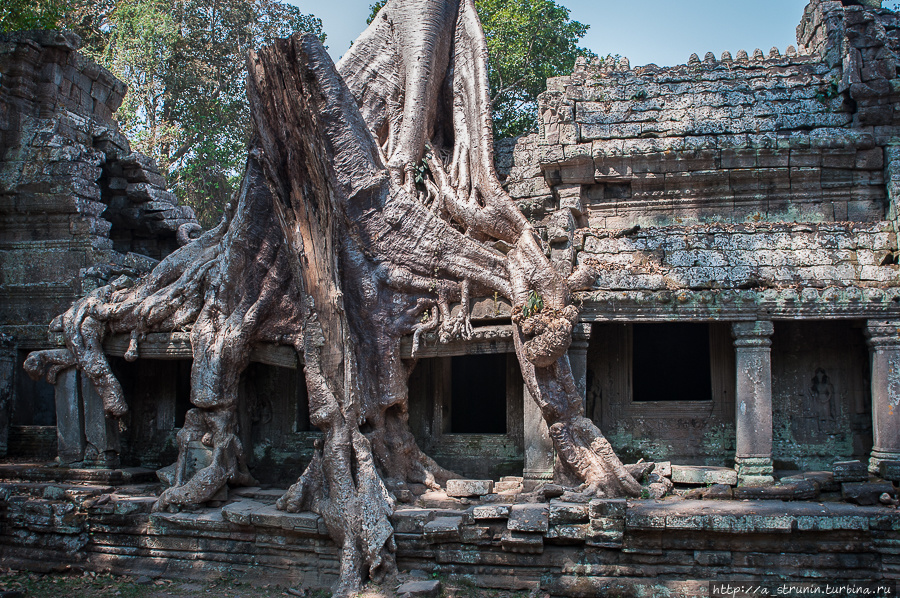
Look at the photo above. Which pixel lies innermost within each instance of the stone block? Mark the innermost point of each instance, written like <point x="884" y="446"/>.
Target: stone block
<point x="607" y="508"/>
<point x="239" y="512"/>
<point x="443" y="529"/>
<point x="572" y="532"/>
<point x="606" y="533"/>
<point x="850" y="471"/>
<point x="411" y="521"/>
<point x="663" y="468"/>
<point x="464" y="488"/>
<point x="504" y="486"/>
<point x="529" y="518"/>
<point x="491" y="512"/>
<point x="718" y="492"/>
<point x="702" y="475"/>
<point x="866" y="493"/>
<point x="890" y="470"/>
<point x="565" y="512"/>
<point x="524" y="542"/>
<point x="270" y="516"/>
<point x="420" y="589"/>
<point x="792" y="490"/>
<point x="473" y="534"/>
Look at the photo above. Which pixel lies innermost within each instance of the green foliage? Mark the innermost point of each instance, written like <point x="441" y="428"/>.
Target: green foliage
<point x="22" y="15"/>
<point x="373" y="10"/>
<point x="185" y="65"/>
<point x="534" y="304"/>
<point x="422" y="171"/>
<point x="828" y="91"/>
<point x="528" y="41"/>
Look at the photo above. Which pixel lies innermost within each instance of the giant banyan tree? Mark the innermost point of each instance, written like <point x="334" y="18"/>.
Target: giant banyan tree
<point x="369" y="205"/>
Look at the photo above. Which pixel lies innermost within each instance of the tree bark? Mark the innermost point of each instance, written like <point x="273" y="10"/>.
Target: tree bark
<point x="369" y="204"/>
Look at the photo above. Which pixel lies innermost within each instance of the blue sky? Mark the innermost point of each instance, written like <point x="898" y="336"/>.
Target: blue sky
<point x="665" y="32"/>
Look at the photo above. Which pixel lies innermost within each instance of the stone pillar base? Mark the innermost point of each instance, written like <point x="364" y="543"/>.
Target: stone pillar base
<point x="754" y="471"/>
<point x="533" y="479"/>
<point x="877" y="457"/>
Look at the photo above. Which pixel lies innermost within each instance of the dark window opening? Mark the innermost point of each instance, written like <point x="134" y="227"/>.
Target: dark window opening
<point x="35" y="400"/>
<point x="478" y="394"/>
<point x="671" y="362"/>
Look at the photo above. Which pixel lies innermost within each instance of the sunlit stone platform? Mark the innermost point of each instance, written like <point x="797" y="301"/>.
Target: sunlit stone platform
<point x="560" y="543"/>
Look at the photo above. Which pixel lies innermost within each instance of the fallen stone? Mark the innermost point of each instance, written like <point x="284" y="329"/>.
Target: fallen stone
<point x="702" y="475"/>
<point x="549" y="491"/>
<point x="464" y="488"/>
<point x="825" y="480"/>
<point x="718" y="492"/>
<point x="607" y="507"/>
<point x="564" y="513"/>
<point x="850" y="471"/>
<point x="143" y="580"/>
<point x="524" y="542"/>
<point x="411" y="521"/>
<point x="502" y="486"/>
<point x="694" y="494"/>
<point x="443" y="529"/>
<point x="793" y="490"/>
<point x="656" y="490"/>
<point x="420" y="589"/>
<point x="890" y="470"/>
<point x="578" y="497"/>
<point x="866" y="493"/>
<point x="663" y="468"/>
<point x="640" y="470"/>
<point x="529" y="518"/>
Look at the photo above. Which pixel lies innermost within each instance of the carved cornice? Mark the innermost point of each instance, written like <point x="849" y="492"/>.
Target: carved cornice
<point x="752" y="334"/>
<point x="883" y="334"/>
<point x="741" y="305"/>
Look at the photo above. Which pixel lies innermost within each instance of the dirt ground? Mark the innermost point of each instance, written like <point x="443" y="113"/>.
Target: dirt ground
<point x="20" y="584"/>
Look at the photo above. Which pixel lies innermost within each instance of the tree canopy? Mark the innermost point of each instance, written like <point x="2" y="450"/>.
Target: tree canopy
<point x="185" y="65"/>
<point x="528" y="42"/>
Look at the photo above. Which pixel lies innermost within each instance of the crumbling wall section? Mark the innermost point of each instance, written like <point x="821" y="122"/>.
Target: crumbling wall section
<point x="77" y="206"/>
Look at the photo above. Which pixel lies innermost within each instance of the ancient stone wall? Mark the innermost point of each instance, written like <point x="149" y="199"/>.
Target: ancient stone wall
<point x="752" y="186"/>
<point x="77" y="206"/>
<point x="634" y="548"/>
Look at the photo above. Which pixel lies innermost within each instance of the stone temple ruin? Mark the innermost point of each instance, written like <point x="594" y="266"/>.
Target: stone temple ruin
<point x="743" y="337"/>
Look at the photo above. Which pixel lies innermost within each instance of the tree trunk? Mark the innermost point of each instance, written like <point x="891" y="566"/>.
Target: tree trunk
<point x="336" y="248"/>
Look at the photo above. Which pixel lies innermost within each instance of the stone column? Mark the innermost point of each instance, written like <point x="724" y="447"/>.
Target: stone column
<point x="101" y="432"/>
<point x="884" y="350"/>
<point x="539" y="453"/>
<point x="581" y="335"/>
<point x="540" y="456"/>
<point x="7" y="371"/>
<point x="69" y="418"/>
<point x="753" y="402"/>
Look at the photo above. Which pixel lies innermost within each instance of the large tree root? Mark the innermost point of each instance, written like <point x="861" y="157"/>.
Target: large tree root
<point x="334" y="249"/>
